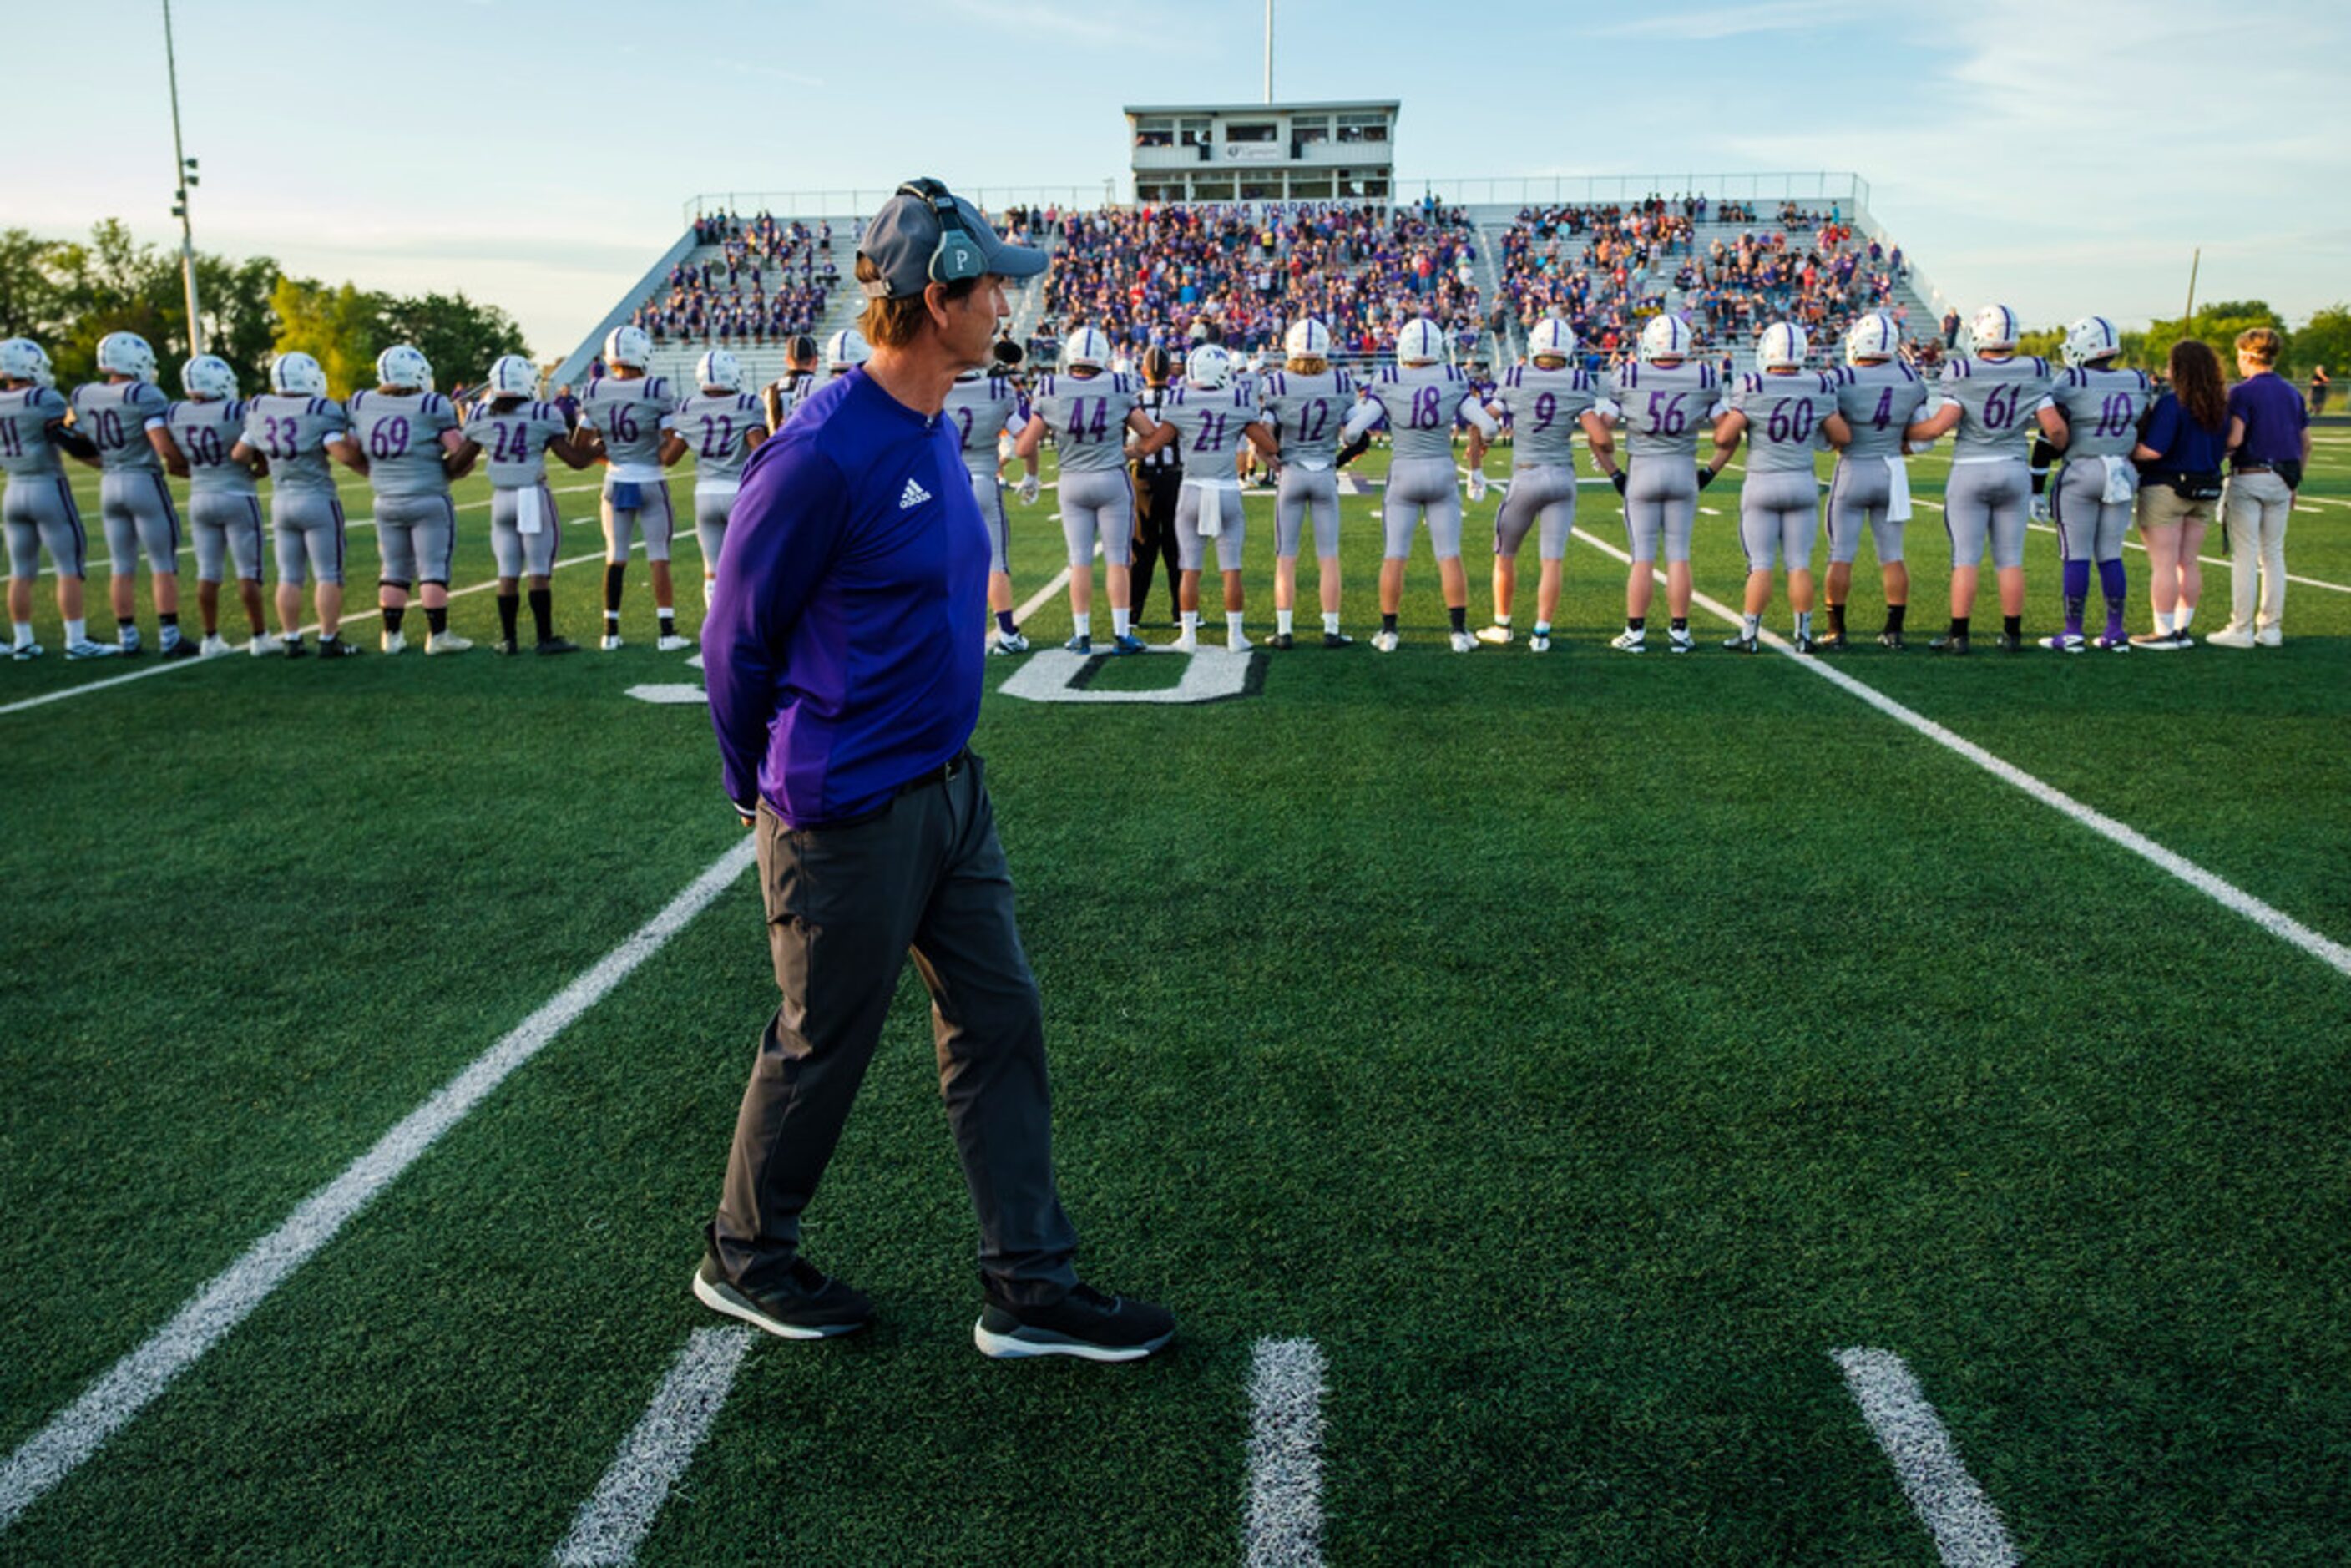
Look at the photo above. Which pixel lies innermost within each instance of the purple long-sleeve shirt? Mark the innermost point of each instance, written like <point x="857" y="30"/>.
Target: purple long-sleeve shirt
<point x="843" y="648"/>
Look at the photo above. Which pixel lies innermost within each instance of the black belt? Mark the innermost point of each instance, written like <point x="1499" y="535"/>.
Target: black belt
<point x="939" y="774"/>
<point x="2255" y="468"/>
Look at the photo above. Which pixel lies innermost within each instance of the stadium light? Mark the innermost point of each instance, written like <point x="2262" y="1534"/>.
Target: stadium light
<point x="1269" y="51"/>
<point x="186" y="170"/>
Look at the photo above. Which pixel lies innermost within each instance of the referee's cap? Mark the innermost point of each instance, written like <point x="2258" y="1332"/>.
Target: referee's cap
<point x="911" y="241"/>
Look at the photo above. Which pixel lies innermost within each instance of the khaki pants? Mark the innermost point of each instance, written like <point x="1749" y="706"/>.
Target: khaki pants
<point x="2254" y="507"/>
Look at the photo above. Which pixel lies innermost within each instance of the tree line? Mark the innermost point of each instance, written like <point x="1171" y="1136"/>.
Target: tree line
<point x="68" y="294"/>
<point x="2324" y="340"/>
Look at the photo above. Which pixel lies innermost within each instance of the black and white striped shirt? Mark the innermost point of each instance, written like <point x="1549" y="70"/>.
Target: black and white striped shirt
<point x="1169" y="458"/>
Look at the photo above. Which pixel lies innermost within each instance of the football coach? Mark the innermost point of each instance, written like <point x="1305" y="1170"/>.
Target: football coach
<point x="842" y="653"/>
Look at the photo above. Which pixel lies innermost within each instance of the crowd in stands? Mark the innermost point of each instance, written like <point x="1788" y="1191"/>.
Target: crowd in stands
<point x="770" y="280"/>
<point x="1147" y="275"/>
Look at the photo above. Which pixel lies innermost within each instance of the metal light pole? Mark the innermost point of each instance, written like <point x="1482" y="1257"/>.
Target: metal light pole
<point x="2194" y="265"/>
<point x="1269" y="51"/>
<point x="185" y="167"/>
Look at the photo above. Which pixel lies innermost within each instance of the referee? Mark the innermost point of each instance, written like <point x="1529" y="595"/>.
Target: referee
<point x="842" y="653"/>
<point x="1158" y="480"/>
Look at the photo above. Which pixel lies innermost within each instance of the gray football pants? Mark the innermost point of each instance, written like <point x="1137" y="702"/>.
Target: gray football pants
<point x="517" y="553"/>
<point x="417" y="535"/>
<point x="1779" y="514"/>
<point x="2089" y="526"/>
<point x="40" y="512"/>
<point x="1987" y="499"/>
<point x="1419" y="486"/>
<point x="845" y="906"/>
<point x="651" y="516"/>
<point x="1303" y="493"/>
<point x="1231" y="535"/>
<point x="226" y="531"/>
<point x="712" y="510"/>
<point x="1859" y="494"/>
<point x="309" y="526"/>
<point x="136" y="508"/>
<point x="990" y="497"/>
<point x="1660" y="507"/>
<point x="2255" y="507"/>
<point x="1541" y="495"/>
<point x="1097" y="503"/>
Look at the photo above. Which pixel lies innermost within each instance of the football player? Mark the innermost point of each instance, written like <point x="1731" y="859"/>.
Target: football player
<point x="224" y="506"/>
<point x="517" y="431"/>
<point x="1989" y="398"/>
<point x="123" y="418"/>
<point x="38" y="511"/>
<point x="1664" y="399"/>
<point x="1420" y="396"/>
<point x="777" y="397"/>
<point x="721" y="426"/>
<point x="1880" y="397"/>
<point x="1784" y="412"/>
<point x="2091" y="417"/>
<point x="1545" y="399"/>
<point x="1307" y="401"/>
<point x="1213" y="419"/>
<point x="294" y="429"/>
<point x="627" y="418"/>
<point x="982" y="406"/>
<point x="1090" y="410"/>
<point x="405" y="438"/>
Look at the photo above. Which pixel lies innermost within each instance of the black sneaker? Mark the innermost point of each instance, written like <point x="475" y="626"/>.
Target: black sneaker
<point x="336" y="648"/>
<point x="1833" y="642"/>
<point x="1891" y="640"/>
<point x="505" y="646"/>
<point x="184" y="648"/>
<point x="295" y="650"/>
<point x="807" y="1305"/>
<point x="2009" y="642"/>
<point x="553" y="645"/>
<point x="1953" y="643"/>
<point x="1282" y="642"/>
<point x="1337" y="640"/>
<point x="1085" y="1322"/>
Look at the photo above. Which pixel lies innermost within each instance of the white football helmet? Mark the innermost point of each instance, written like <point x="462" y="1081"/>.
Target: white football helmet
<point x="1781" y="347"/>
<point x="1873" y="337"/>
<point x="126" y="354"/>
<point x="630" y="346"/>
<point x="1086" y="350"/>
<point x="1994" y="328"/>
<point x="208" y="376"/>
<point x="719" y="370"/>
<point x="1308" y="337"/>
<point x="1420" y="341"/>
<point x="21" y="359"/>
<point x="297" y="375"/>
<point x="2090" y="338"/>
<point x="404" y="365"/>
<point x="1208" y="368"/>
<point x="511" y="375"/>
<point x="844" y="351"/>
<point x="1551" y="336"/>
<point x="1666" y="337"/>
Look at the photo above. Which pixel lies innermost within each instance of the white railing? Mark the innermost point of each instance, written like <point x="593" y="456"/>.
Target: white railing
<point x="1815" y="185"/>
<point x="788" y="205"/>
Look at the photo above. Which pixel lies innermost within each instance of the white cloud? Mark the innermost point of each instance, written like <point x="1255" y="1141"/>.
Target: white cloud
<point x="1738" y="21"/>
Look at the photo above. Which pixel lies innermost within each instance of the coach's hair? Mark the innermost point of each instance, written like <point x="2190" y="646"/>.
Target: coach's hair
<point x="2261" y="345"/>
<point x="2195" y="371"/>
<point x="892" y="323"/>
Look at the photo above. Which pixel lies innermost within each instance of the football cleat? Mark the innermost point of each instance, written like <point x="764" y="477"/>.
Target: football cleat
<point x="505" y="648"/>
<point x="1495" y="635"/>
<point x="610" y="643"/>
<point x="294" y="648"/>
<point x="1282" y="642"/>
<point x="1891" y="640"/>
<point x="1385" y="642"/>
<point x="1462" y="642"/>
<point x="2111" y="642"/>
<point x="1803" y="643"/>
<point x="1081" y="644"/>
<point x="446" y="642"/>
<point x="23" y="652"/>
<point x="1236" y="643"/>
<point x="1739" y="644"/>
<point x="1629" y="641"/>
<point x="2009" y="643"/>
<point x="550" y="646"/>
<point x="181" y="648"/>
<point x="1952" y="643"/>
<point x="264" y="644"/>
<point x="392" y="641"/>
<point x="670" y="643"/>
<point x="1538" y="643"/>
<point x="338" y="647"/>
<point x="2270" y="637"/>
<point x="128" y="639"/>
<point x="214" y="643"/>
<point x="2230" y="636"/>
<point x="1187" y="641"/>
<point x="1127" y="642"/>
<point x="2064" y="642"/>
<point x="1680" y="642"/>
<point x="2161" y="641"/>
<point x="1004" y="647"/>
<point x="86" y="649"/>
<point x="2041" y="513"/>
<point x="1337" y="640"/>
<point x="1834" y="642"/>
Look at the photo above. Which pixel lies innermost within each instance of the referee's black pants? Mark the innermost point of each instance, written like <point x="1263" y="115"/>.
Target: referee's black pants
<point x="845" y="906"/>
<point x="1155" y="492"/>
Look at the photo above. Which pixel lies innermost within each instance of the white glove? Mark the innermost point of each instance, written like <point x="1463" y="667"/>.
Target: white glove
<point x="1477" y="484"/>
<point x="1028" y="490"/>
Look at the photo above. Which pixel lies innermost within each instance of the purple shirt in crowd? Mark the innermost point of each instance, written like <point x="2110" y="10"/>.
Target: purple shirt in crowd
<point x="2274" y="419"/>
<point x="843" y="645"/>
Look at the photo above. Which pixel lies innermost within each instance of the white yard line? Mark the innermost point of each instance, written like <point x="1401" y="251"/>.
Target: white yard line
<point x="2275" y="921"/>
<point x="2207" y="559"/>
<point x="1966" y="1527"/>
<point x="165" y="666"/>
<point x="76" y="1432"/>
<point x="1281" y="1525"/>
<point x="613" y="1521"/>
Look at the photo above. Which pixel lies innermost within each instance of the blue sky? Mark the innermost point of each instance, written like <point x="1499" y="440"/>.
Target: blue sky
<point x="2063" y="158"/>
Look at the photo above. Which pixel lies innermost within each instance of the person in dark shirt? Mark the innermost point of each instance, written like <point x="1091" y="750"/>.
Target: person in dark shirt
<point x="2178" y="455"/>
<point x="2269" y="441"/>
<point x="843" y="654"/>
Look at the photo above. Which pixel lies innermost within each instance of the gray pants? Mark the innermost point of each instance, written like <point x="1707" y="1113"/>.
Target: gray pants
<point x="2089" y="526"/>
<point x="1192" y="546"/>
<point x="227" y="532"/>
<point x="517" y="553"/>
<point x="1541" y="493"/>
<point x="712" y="510"/>
<point x="1987" y="500"/>
<point x="417" y="535"/>
<point x="1417" y="488"/>
<point x="651" y="516"/>
<point x="1306" y="492"/>
<point x="1779" y="514"/>
<point x="1660" y="507"/>
<point x="40" y="512"/>
<point x="1097" y="504"/>
<point x="309" y="526"/>
<point x="138" y="511"/>
<point x="2254" y="506"/>
<point x="844" y="906"/>
<point x="1859" y="494"/>
<point x="990" y="497"/>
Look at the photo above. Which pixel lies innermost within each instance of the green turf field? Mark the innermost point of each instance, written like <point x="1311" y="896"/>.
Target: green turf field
<point x="1578" y="1048"/>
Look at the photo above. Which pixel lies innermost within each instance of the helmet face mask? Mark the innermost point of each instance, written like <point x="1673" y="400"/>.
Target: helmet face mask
<point x="719" y="370"/>
<point x="628" y="348"/>
<point x="297" y="374"/>
<point x="208" y="377"/>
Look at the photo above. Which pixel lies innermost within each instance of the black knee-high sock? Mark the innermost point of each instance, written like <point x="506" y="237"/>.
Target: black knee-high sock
<point x="509" y="609"/>
<point x="395" y="616"/>
<point x="616" y="573"/>
<point x="2043" y="455"/>
<point x="437" y="621"/>
<point x="542" y="611"/>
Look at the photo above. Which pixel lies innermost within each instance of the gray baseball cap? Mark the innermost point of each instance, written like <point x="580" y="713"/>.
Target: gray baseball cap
<point x="904" y="235"/>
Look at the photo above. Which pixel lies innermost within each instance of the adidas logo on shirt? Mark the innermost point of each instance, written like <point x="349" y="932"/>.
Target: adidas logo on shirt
<point x="915" y="495"/>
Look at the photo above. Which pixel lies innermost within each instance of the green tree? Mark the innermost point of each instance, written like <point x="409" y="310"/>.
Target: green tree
<point x="109" y="284"/>
<point x="2215" y="325"/>
<point x="339" y="327"/>
<point x="240" y="322"/>
<point x="2042" y="344"/>
<point x="28" y="290"/>
<point x="459" y="337"/>
<point x="2324" y="340"/>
